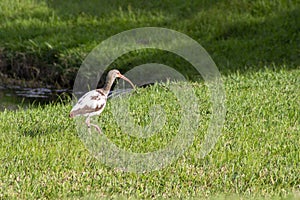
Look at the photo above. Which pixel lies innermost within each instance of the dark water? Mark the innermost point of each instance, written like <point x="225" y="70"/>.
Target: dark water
<point x="15" y="97"/>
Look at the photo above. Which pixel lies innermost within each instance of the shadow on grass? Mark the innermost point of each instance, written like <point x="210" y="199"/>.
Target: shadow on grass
<point x="235" y="44"/>
<point x="38" y="128"/>
<point x="273" y="40"/>
<point x="177" y="8"/>
<point x="255" y="44"/>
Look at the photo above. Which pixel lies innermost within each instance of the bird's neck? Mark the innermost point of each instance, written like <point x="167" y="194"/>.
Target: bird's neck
<point x="108" y="85"/>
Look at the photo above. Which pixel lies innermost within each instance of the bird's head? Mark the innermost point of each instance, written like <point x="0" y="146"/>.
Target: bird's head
<point x="112" y="74"/>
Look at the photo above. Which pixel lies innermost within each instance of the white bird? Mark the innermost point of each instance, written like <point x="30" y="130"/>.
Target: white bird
<point x="93" y="102"/>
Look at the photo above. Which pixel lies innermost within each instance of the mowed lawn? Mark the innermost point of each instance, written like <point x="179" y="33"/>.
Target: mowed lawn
<point x="257" y="154"/>
<point x="255" y="44"/>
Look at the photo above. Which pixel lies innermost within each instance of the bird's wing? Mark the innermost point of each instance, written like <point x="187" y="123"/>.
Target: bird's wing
<point x="92" y="101"/>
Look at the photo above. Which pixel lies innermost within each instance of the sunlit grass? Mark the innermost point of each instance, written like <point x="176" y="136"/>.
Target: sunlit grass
<point x="256" y="157"/>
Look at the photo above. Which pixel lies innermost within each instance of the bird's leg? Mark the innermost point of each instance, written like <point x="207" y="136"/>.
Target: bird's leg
<point x="88" y="123"/>
<point x="97" y="127"/>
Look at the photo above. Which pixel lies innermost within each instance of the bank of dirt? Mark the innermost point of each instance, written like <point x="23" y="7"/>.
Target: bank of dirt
<point x="28" y="70"/>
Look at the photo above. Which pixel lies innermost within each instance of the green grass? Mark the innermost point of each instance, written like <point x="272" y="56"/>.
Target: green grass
<point x="47" y="40"/>
<point x="256" y="157"/>
<point x="255" y="44"/>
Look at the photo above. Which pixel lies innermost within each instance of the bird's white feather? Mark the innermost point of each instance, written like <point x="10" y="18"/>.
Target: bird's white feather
<point x="92" y="103"/>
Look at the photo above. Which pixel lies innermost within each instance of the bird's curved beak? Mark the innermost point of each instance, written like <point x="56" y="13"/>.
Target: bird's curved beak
<point x="126" y="79"/>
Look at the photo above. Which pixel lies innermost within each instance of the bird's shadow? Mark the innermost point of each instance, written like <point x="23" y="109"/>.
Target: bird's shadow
<point x="36" y="131"/>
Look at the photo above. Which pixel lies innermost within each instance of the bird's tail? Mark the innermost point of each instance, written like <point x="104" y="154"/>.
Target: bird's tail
<point x="71" y="115"/>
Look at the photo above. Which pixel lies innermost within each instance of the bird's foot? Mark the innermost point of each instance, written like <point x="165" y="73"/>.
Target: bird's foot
<point x="89" y="129"/>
